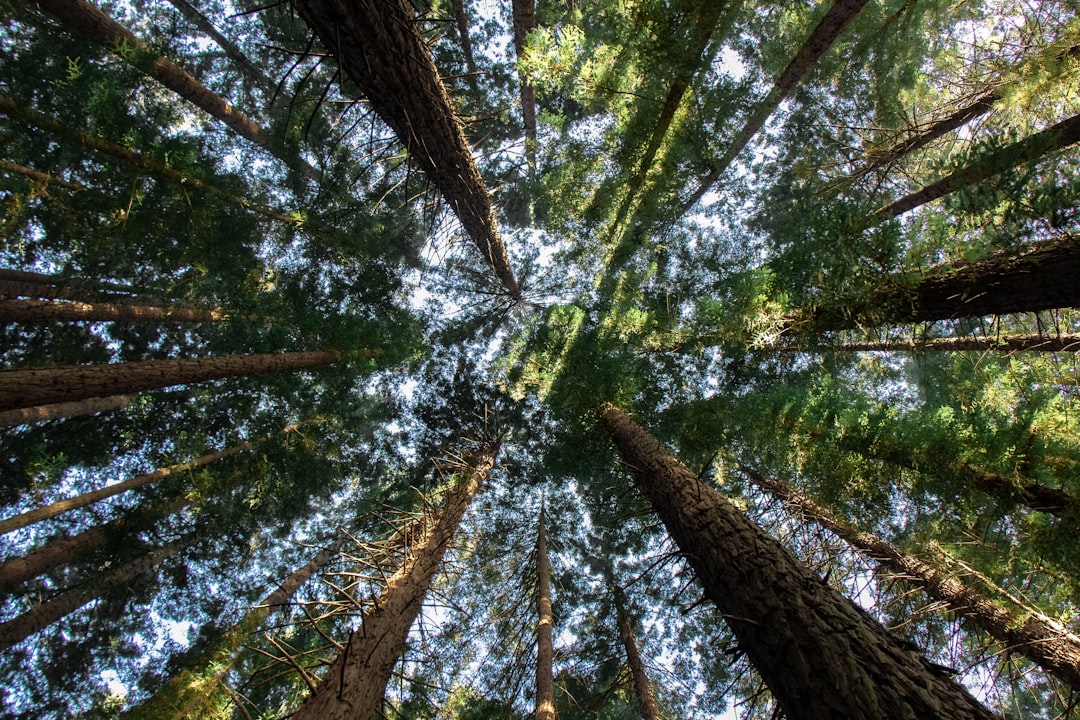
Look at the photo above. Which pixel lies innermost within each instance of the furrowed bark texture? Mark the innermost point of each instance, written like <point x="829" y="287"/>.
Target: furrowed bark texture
<point x="545" y="653"/>
<point x="92" y="23"/>
<point x="1066" y="342"/>
<point x="34" y="621"/>
<point x="821" y="39"/>
<point x="821" y="656"/>
<point x="56" y="411"/>
<point x="1036" y="637"/>
<point x="41" y="386"/>
<point x="1061" y="135"/>
<point x="45" y="311"/>
<point x="353" y="686"/>
<point x="378" y="46"/>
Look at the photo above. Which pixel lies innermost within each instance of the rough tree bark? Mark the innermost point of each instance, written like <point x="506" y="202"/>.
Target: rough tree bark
<point x="545" y="677"/>
<point x="46" y="311"/>
<point x="378" y="46"/>
<point x="1066" y="342"/>
<point x="821" y="656"/>
<point x="525" y="22"/>
<point x="1037" y="637"/>
<point x="56" y="411"/>
<point x="642" y="687"/>
<point x="353" y="686"/>
<point x="42" y="386"/>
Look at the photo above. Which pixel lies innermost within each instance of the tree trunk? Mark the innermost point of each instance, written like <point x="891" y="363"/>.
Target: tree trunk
<point x="1040" y="639"/>
<point x="45" y="311"/>
<point x="525" y="22"/>
<point x="642" y="687"/>
<point x="378" y="46"/>
<point x="56" y="411"/>
<point x="353" y="686"/>
<point x="821" y="39"/>
<point x="42" y="386"/>
<point x="62" y="506"/>
<point x="66" y="550"/>
<point x="198" y="691"/>
<point x="821" y="656"/>
<point x="24" y="283"/>
<point x="1061" y="135"/>
<point x="1042" y="276"/>
<point x="43" y="179"/>
<point x="461" y="16"/>
<point x="1005" y="343"/>
<point x="545" y="678"/>
<point x="153" y="167"/>
<point x="40" y="617"/>
<point x="91" y="22"/>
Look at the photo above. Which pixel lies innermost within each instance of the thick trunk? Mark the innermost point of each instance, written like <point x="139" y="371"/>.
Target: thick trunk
<point x="525" y="22"/>
<point x="353" y="686"/>
<point x="1061" y="135"/>
<point x="821" y="656"/>
<point x="65" y="550"/>
<point x="153" y="167"/>
<point x="1043" y="276"/>
<point x="1005" y="343"/>
<point x="378" y="46"/>
<point x="62" y="506"/>
<point x="1040" y="639"/>
<point x="45" y="311"/>
<point x="821" y="39"/>
<point x="198" y="691"/>
<point x="545" y="678"/>
<point x="40" y="617"/>
<point x="56" y="411"/>
<point x="91" y="22"/>
<point x="42" y="386"/>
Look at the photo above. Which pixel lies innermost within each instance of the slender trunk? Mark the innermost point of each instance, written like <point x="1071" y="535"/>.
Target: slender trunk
<point x="821" y="656"/>
<point x="1042" y="276"/>
<point x="44" y="179"/>
<point x="1066" y="342"/>
<point x="198" y="691"/>
<point x="40" y="617"/>
<point x="1040" y="639"/>
<point x="42" y="386"/>
<point x="821" y="39"/>
<point x="545" y="678"/>
<point x="46" y="311"/>
<point x="1061" y="135"/>
<point x="55" y="287"/>
<point x="642" y="687"/>
<point x="461" y="16"/>
<point x="353" y="686"/>
<point x="525" y="22"/>
<point x="378" y="46"/>
<point x="62" y="506"/>
<point x="56" y="411"/>
<point x="153" y="167"/>
<point x="66" y="550"/>
<point x="91" y="22"/>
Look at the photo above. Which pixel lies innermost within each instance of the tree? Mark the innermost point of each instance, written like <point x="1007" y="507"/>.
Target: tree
<point x="545" y="683"/>
<point x="55" y="411"/>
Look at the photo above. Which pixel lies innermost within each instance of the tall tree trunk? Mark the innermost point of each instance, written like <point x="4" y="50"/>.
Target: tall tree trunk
<point x="378" y="46"/>
<point x="1061" y="135"/>
<point x="545" y="678"/>
<point x="461" y="17"/>
<point x="198" y="691"/>
<point x="353" y="686"/>
<point x="71" y="549"/>
<point x="92" y="23"/>
<point x="1042" y="276"/>
<point x="56" y="411"/>
<point x="41" y="386"/>
<point x="46" y="311"/>
<point x="525" y="22"/>
<point x="1066" y="342"/>
<point x="642" y="687"/>
<point x="1040" y="639"/>
<point x="821" y="656"/>
<point x="821" y="39"/>
<point x="24" y="283"/>
<point x="40" y="617"/>
<point x="62" y="506"/>
<point x="156" y="168"/>
<point x="43" y="179"/>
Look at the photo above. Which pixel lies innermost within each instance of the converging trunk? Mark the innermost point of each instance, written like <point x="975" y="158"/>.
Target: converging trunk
<point x="1040" y="639"/>
<point x="57" y="411"/>
<point x="1065" y="342"/>
<point x="353" y="686"/>
<point x="45" y="311"/>
<point x="642" y="687"/>
<point x="821" y="656"/>
<point x="545" y="678"/>
<point x="524" y="23"/>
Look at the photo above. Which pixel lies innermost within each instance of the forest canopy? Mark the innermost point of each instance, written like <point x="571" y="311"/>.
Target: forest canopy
<point x="504" y="359"/>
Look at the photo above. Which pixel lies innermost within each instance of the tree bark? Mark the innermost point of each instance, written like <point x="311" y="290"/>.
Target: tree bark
<point x="56" y="411"/>
<point x="461" y="17"/>
<point x="353" y="686"/>
<point x="1066" y="342"/>
<point x="545" y="678"/>
<point x="92" y="23"/>
<point x="34" y="621"/>
<point x="46" y="311"/>
<point x="42" y="386"/>
<point x="821" y="39"/>
<point x="524" y="12"/>
<point x="1040" y="639"/>
<point x="43" y="179"/>
<point x="642" y="687"/>
<point x="821" y="656"/>
<point x="1061" y="135"/>
<point x="378" y="46"/>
